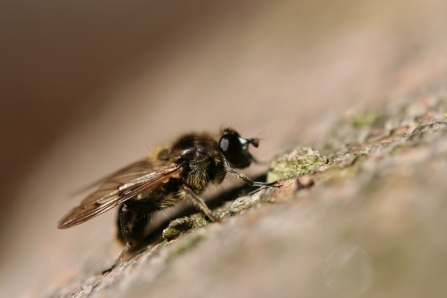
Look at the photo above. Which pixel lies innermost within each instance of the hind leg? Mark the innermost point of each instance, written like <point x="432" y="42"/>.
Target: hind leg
<point x="131" y="225"/>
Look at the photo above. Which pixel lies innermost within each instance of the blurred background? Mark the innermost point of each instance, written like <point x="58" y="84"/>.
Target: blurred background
<point x="88" y="87"/>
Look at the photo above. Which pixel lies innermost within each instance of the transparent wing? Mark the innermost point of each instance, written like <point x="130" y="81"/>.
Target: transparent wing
<point x="117" y="189"/>
<point x="135" y="170"/>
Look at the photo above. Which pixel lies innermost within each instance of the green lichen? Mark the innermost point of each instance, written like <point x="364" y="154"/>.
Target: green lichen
<point x="182" y="225"/>
<point x="177" y="227"/>
<point x="365" y="119"/>
<point x="300" y="161"/>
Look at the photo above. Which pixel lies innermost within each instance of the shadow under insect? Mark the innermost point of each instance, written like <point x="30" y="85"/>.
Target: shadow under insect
<point x="187" y="217"/>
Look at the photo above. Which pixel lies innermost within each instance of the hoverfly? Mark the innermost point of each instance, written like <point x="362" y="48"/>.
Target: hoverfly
<point x="171" y="174"/>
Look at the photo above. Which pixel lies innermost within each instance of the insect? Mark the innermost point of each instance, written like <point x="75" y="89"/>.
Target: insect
<point x="171" y="174"/>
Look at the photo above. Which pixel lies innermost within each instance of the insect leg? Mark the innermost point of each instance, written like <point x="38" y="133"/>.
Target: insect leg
<point x="124" y="219"/>
<point x="124" y="216"/>
<point x="131" y="226"/>
<point x="200" y="203"/>
<point x="246" y="179"/>
<point x="118" y="260"/>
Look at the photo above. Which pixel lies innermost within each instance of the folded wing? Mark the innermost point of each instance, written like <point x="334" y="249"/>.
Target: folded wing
<point x="117" y="189"/>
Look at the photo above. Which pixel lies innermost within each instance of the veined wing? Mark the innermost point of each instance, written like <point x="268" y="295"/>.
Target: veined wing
<point x="134" y="170"/>
<point x="117" y="189"/>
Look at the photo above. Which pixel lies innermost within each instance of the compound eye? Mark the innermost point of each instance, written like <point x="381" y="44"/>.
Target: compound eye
<point x="231" y="148"/>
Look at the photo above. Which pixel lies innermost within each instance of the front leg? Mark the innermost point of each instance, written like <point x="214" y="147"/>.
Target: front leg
<point x="248" y="180"/>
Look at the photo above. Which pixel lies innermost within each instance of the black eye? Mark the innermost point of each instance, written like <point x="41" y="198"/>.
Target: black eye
<point x="231" y="148"/>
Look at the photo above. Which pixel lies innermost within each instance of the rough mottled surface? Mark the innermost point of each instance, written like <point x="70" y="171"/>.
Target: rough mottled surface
<point x="370" y="222"/>
<point x="299" y="162"/>
<point x="89" y="88"/>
